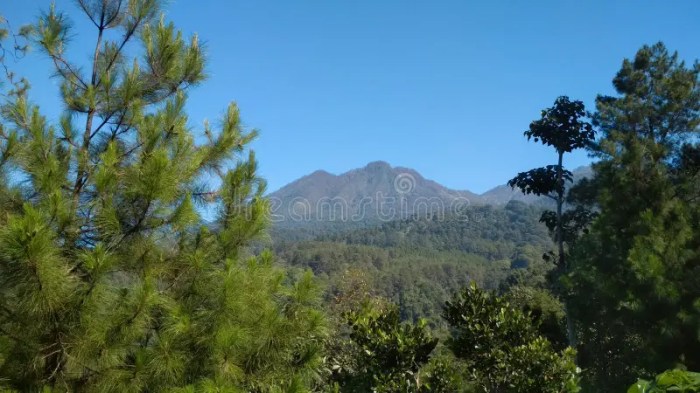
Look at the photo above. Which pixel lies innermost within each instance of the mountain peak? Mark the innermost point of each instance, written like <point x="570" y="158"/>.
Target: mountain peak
<point x="378" y="165"/>
<point x="320" y="173"/>
<point x="375" y="192"/>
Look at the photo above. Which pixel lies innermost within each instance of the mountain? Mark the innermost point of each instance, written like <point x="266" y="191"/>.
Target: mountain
<point x="406" y="238"/>
<point x="322" y="203"/>
<point x="376" y="193"/>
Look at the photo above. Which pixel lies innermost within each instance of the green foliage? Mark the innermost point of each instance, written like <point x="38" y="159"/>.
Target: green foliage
<point x="446" y="374"/>
<point x="634" y="280"/>
<point x="547" y="312"/>
<point x="669" y="381"/>
<point x="501" y="348"/>
<point x="109" y="278"/>
<point x="389" y="353"/>
<point x="540" y="181"/>
<point x="490" y="232"/>
<point x="13" y="45"/>
<point x="417" y="264"/>
<point x="494" y="347"/>
<point x="561" y="126"/>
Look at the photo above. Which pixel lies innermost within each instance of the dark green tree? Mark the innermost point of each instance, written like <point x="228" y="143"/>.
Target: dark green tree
<point x="446" y="374"/>
<point x="561" y="127"/>
<point x="390" y="353"/>
<point x="109" y="278"/>
<point x="635" y="276"/>
<point x="501" y="348"/>
<point x="546" y="311"/>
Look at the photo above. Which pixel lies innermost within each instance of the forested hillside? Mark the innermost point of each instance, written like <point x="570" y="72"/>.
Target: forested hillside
<point x="418" y="263"/>
<point x="492" y="232"/>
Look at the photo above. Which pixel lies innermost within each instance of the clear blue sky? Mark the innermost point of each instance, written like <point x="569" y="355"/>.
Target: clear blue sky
<point x="445" y="87"/>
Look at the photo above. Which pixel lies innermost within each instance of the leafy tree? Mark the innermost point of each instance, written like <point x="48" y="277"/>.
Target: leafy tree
<point x="109" y="279"/>
<point x="446" y="374"/>
<point x="351" y="291"/>
<point x="390" y="353"/>
<point x="561" y="127"/>
<point x="546" y="311"/>
<point x="501" y="348"/>
<point x="635" y="275"/>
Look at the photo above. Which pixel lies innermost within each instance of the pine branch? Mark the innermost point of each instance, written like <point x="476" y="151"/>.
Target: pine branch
<point x="14" y="337"/>
<point x="62" y="66"/>
<point x="114" y="58"/>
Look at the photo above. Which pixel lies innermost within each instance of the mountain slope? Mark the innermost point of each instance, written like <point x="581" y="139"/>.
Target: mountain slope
<point x="322" y="203"/>
<point x="419" y="263"/>
<point x="378" y="192"/>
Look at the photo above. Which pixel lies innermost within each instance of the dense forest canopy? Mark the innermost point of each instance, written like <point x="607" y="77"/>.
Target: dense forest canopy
<point x="112" y="280"/>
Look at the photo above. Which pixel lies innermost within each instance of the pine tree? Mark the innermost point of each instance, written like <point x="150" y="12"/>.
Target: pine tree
<point x="110" y="279"/>
<point x="635" y="275"/>
<point x="13" y="46"/>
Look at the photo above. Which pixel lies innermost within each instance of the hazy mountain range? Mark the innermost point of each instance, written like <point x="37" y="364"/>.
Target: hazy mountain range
<point x="379" y="192"/>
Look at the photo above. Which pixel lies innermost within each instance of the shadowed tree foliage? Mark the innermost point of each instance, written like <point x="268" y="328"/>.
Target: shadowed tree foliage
<point x="635" y="280"/>
<point x="669" y="381"/>
<point x="389" y="353"/>
<point x="109" y="279"/>
<point x="501" y="347"/>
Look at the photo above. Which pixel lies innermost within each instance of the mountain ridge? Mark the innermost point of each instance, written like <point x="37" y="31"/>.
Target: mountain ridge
<point x="322" y="202"/>
<point x="498" y="195"/>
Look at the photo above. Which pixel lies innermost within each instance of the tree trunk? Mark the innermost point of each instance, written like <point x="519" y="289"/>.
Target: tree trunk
<point x="562" y="266"/>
